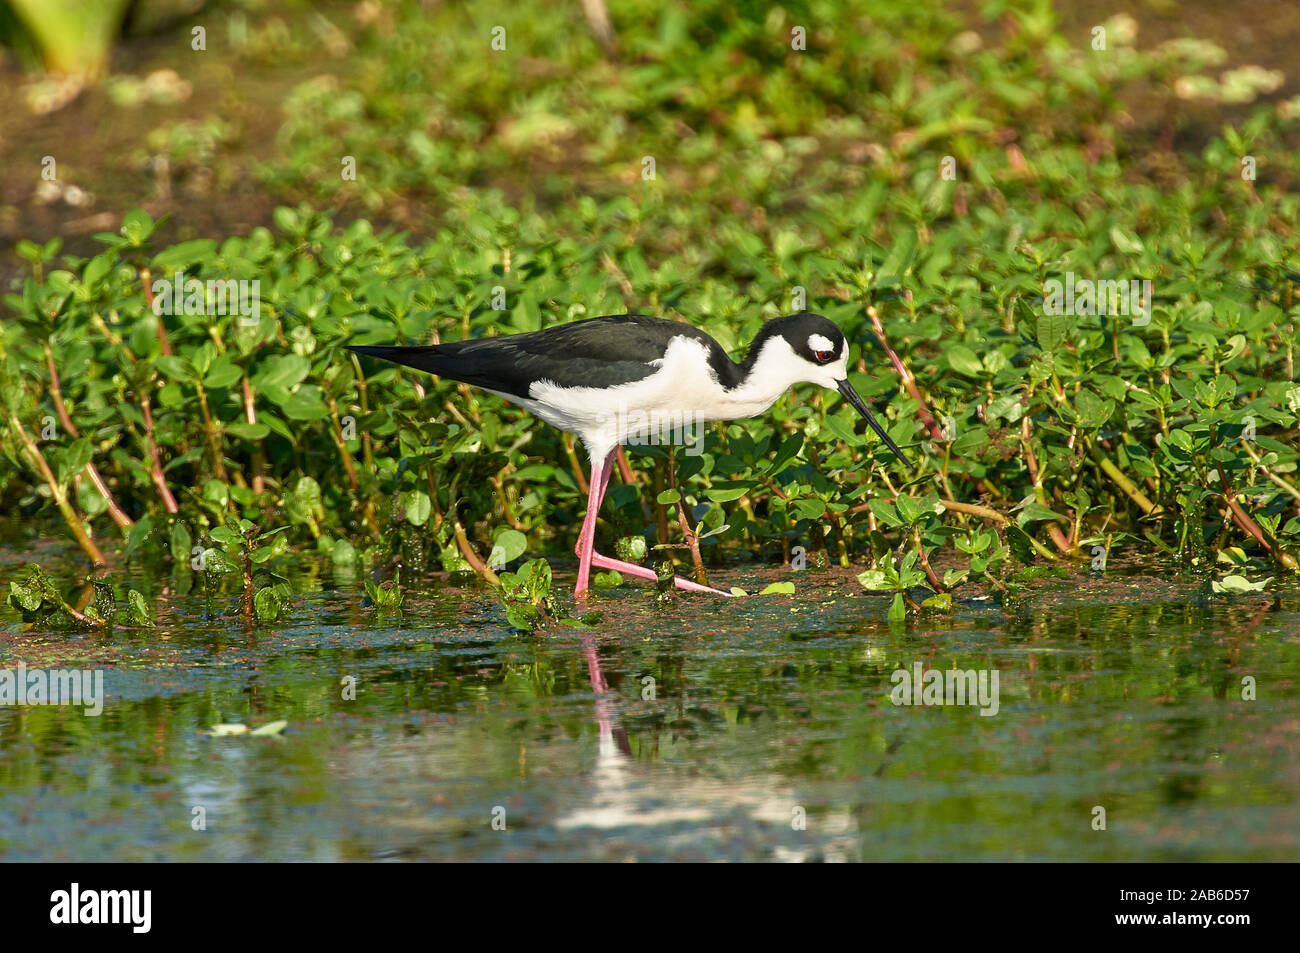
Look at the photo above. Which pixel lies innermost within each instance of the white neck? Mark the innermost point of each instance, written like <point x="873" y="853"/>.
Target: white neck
<point x="777" y="369"/>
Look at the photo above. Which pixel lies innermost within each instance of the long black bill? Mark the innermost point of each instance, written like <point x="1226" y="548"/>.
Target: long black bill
<point x="852" y="397"/>
<point x="428" y="357"/>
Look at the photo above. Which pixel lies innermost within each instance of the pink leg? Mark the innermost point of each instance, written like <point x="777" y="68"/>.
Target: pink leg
<point x="586" y="548"/>
<point x="587" y="536"/>
<point x="604" y="562"/>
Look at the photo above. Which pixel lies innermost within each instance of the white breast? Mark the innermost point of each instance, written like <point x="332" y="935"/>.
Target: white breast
<point x="682" y="389"/>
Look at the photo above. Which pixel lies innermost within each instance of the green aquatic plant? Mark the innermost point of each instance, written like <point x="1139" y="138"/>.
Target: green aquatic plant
<point x="242" y="548"/>
<point x="36" y="596"/>
<point x="528" y="595"/>
<point x="386" y="598"/>
<point x="530" y="601"/>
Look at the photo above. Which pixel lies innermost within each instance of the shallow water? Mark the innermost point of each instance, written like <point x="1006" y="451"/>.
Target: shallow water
<point x="766" y="733"/>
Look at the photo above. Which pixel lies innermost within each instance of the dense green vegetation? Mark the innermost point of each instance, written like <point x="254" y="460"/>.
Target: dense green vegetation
<point x="917" y="184"/>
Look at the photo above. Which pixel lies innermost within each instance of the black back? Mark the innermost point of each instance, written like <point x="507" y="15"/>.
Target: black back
<point x="594" y="352"/>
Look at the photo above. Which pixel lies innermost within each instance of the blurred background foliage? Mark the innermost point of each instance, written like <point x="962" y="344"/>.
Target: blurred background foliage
<point x="1045" y="441"/>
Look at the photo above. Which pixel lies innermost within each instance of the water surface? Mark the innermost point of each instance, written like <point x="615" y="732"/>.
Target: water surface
<point x="760" y="729"/>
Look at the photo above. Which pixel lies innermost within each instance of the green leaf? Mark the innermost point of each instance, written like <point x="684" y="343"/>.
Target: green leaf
<point x="719" y="494"/>
<point x="874" y="580"/>
<point x="1020" y="544"/>
<point x="137" y="226"/>
<point x="418" y="507"/>
<point x="216" y="561"/>
<point x="305" y="501"/>
<point x="138" y="610"/>
<point x="31" y="589"/>
<point x="247" y="431"/>
<point x="954" y="577"/>
<point x="939" y="602"/>
<point x="522" y="617"/>
<point x="963" y="360"/>
<point x="1125" y="242"/>
<point x="842" y="429"/>
<point x="176" y="368"/>
<point x="509" y="545"/>
<point x="307" y="404"/>
<point x="1235" y="584"/>
<point x="778" y="589"/>
<point x="1033" y="511"/>
<point x="267" y="604"/>
<point x="181" y="543"/>
<point x="180" y="256"/>
<point x="285" y="371"/>
<point x="909" y="510"/>
<point x="74" y="459"/>
<point x="286" y="219"/>
<point x="387" y="597"/>
<point x="902" y="251"/>
<point x="897" y="608"/>
<point x="226" y="536"/>
<point x="885" y="512"/>
<point x="630" y="549"/>
<point x="790" y="448"/>
<point x="1091" y="409"/>
<point x="1052" y="329"/>
<point x="97" y="268"/>
<point x="222" y="374"/>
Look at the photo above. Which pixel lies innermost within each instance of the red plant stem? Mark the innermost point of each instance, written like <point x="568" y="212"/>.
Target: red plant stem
<point x="148" y="300"/>
<point x="337" y="433"/>
<point x="925" y="562"/>
<point x="970" y="509"/>
<point x="691" y="539"/>
<point x="60" y="498"/>
<point x="1247" y="523"/>
<point x="904" y="375"/>
<point x="156" y="471"/>
<point x="56" y="394"/>
<point x="575" y="464"/>
<point x="250" y="415"/>
<point x="629" y="479"/>
<point x="1031" y="461"/>
<point x="471" y="557"/>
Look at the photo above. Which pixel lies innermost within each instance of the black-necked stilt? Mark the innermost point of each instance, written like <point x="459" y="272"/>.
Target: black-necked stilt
<point x="604" y="378"/>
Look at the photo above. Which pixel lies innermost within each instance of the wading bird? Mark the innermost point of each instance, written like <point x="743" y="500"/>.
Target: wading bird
<point x="599" y="378"/>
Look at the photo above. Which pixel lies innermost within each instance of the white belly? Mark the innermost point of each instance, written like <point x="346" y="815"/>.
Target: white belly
<point x="683" y="391"/>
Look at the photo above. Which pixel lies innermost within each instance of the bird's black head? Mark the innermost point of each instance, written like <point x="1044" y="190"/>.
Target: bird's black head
<point x="810" y="348"/>
<point x="812" y="337"/>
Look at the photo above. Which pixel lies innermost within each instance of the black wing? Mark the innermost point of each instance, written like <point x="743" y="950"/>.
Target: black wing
<point x="595" y="352"/>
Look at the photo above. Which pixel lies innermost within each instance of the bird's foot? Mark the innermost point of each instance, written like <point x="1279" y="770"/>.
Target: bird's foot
<point x="605" y="562"/>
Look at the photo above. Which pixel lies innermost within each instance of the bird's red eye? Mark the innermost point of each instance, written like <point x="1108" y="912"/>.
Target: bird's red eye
<point x="823" y="357"/>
